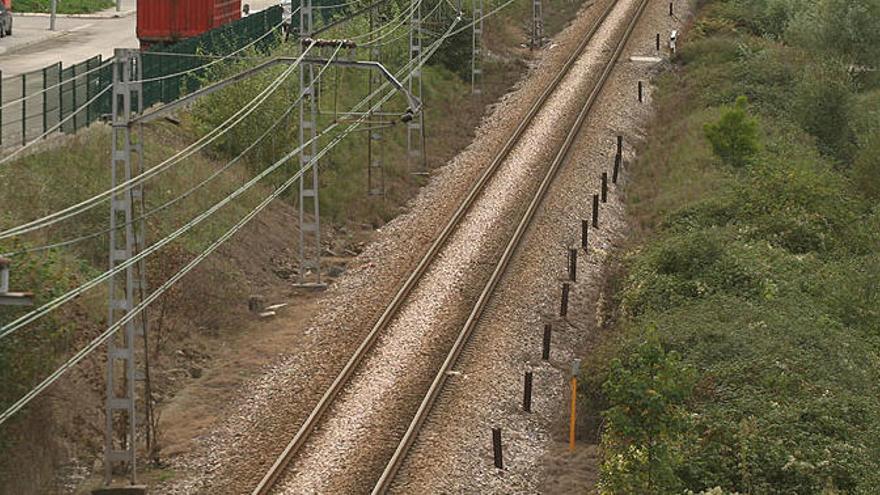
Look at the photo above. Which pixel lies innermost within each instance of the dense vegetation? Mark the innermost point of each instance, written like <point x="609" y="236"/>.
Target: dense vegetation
<point x="746" y="350"/>
<point x="64" y="6"/>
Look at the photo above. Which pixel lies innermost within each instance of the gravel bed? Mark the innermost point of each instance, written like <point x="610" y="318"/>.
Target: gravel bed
<point x="362" y="428"/>
<point x="266" y="413"/>
<point x="453" y="453"/>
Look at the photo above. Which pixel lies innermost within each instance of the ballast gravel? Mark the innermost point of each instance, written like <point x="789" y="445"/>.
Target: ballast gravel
<point x="267" y="412"/>
<point x="362" y="428"/>
<point x="453" y="452"/>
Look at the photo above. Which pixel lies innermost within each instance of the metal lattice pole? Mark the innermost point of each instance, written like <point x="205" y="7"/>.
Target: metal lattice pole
<point x="126" y="288"/>
<point x="309" y="210"/>
<point x="375" y="171"/>
<point x="537" y="24"/>
<point x="415" y="128"/>
<point x="477" y="49"/>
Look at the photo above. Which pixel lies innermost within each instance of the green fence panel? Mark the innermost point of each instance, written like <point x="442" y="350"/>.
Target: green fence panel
<point x="51" y="96"/>
<point x="47" y="97"/>
<point x="173" y="59"/>
<point x="32" y="114"/>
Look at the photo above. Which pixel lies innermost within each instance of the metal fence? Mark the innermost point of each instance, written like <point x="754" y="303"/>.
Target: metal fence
<point x="37" y="101"/>
<point x="162" y="60"/>
<point x="33" y="104"/>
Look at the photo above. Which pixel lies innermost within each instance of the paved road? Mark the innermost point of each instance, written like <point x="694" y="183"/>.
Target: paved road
<point x="32" y="46"/>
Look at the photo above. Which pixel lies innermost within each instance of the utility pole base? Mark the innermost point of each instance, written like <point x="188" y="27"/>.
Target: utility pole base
<point x="121" y="490"/>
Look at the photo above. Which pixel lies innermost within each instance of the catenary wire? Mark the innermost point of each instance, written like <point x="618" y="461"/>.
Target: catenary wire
<point x="48" y="88"/>
<point x="208" y="138"/>
<point x="94" y="344"/>
<point x="213" y="62"/>
<point x="50" y="306"/>
<point x="168" y="203"/>
<point x="54" y="128"/>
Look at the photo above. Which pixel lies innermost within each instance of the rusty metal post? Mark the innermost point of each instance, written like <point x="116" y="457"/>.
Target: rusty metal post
<point x="496" y="448"/>
<point x="527" y="392"/>
<point x="545" y="351"/>
<point x="563" y="308"/>
<point x="616" y="172"/>
<point x="585" y="226"/>
<point x="604" y="187"/>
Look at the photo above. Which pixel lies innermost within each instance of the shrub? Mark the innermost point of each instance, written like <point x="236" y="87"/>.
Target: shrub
<point x="734" y="137"/>
<point x="823" y="105"/>
<point x="844" y="28"/>
<point x="645" y="393"/>
<point x="64" y="7"/>
<point x="763" y="288"/>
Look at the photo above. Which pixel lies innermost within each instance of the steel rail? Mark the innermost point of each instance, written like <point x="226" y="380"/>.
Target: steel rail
<point x="344" y="376"/>
<point x="387" y="478"/>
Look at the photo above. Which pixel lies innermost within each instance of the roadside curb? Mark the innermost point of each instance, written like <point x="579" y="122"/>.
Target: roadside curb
<point x="94" y="15"/>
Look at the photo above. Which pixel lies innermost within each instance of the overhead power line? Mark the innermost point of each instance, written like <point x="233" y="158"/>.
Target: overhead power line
<point x="98" y="341"/>
<point x="94" y="344"/>
<point x="208" y="138"/>
<point x="49" y="88"/>
<point x="59" y="301"/>
<point x="55" y="127"/>
<point x="213" y="62"/>
<point x="189" y="192"/>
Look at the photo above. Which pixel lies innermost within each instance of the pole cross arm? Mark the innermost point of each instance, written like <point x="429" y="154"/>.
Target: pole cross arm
<point x="415" y="105"/>
<point x="11" y="298"/>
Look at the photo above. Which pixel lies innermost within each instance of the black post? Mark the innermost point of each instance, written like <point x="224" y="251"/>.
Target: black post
<point x="496" y="447"/>
<point x="584" y="232"/>
<point x="658" y="42"/>
<point x="595" y="211"/>
<point x="527" y="393"/>
<point x="604" y="187"/>
<point x="619" y="145"/>
<point x="563" y="309"/>
<point x="670" y="8"/>
<point x="572" y="264"/>
<point x="640" y="91"/>
<point x="616" y="169"/>
<point x="545" y="352"/>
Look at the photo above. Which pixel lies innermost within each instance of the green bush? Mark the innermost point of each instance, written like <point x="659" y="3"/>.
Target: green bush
<point x="734" y="137"/>
<point x="64" y="6"/>
<point x="645" y="394"/>
<point x="747" y="351"/>
<point x="823" y="107"/>
<point x="845" y="28"/>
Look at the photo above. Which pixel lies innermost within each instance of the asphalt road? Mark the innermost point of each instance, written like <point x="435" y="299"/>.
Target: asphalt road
<point x="32" y="46"/>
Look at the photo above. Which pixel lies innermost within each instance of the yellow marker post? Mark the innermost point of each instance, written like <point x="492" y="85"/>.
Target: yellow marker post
<point x="575" y="368"/>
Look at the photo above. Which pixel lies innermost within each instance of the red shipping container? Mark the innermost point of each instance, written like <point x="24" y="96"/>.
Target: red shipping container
<point x="167" y="21"/>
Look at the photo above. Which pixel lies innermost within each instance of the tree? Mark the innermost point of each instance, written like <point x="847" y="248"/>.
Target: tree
<point x="734" y="137"/>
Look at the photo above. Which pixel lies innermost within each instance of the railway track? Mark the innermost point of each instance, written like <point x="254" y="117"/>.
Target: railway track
<point x="314" y="421"/>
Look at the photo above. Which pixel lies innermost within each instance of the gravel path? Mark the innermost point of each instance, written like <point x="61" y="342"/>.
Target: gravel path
<point x="268" y="411"/>
<point x="453" y="452"/>
<point x="362" y="428"/>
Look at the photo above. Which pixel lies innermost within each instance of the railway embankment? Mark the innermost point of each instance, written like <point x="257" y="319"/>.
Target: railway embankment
<point x="740" y="323"/>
